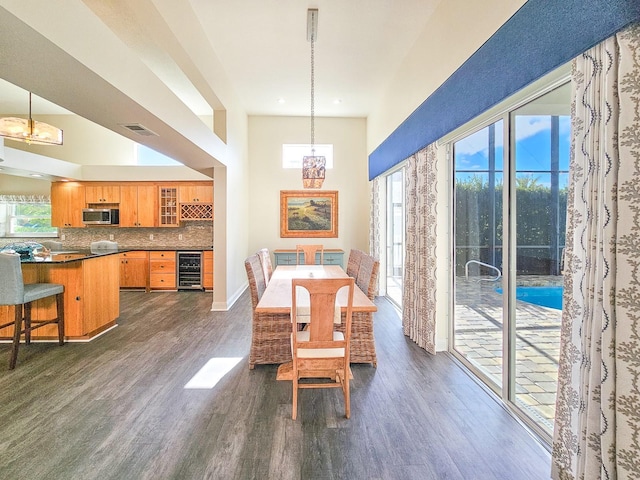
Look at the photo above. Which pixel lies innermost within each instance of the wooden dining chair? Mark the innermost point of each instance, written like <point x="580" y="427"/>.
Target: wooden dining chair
<point x="265" y="261"/>
<point x="320" y="352"/>
<point x="270" y="333"/>
<point x="309" y="254"/>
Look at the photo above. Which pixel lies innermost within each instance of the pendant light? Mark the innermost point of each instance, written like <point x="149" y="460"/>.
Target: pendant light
<point x="313" y="167"/>
<point x="29" y="130"/>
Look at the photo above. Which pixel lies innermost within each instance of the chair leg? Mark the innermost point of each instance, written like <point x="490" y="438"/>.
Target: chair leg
<point x="347" y="395"/>
<point x="27" y="323"/>
<point x="17" y="330"/>
<point x="60" y="309"/>
<point x="294" y="404"/>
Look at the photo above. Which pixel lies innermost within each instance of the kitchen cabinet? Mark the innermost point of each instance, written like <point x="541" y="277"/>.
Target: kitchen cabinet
<point x="138" y="205"/>
<point x="288" y="257"/>
<point x="91" y="297"/>
<point x="102" y="193"/>
<point x="207" y="269"/>
<point x="134" y="269"/>
<point x="67" y="202"/>
<point x="196" y="193"/>
<point x="162" y="270"/>
<point x="168" y="198"/>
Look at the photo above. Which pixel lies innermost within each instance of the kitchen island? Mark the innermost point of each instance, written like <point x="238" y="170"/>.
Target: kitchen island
<point x="91" y="293"/>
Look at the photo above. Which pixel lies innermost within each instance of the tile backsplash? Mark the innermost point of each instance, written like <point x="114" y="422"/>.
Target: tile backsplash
<point x="191" y="234"/>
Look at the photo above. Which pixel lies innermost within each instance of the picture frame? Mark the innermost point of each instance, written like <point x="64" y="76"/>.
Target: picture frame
<point x="308" y="214"/>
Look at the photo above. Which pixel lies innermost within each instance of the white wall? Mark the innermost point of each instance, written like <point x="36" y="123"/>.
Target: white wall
<point x="456" y="30"/>
<point x="267" y="177"/>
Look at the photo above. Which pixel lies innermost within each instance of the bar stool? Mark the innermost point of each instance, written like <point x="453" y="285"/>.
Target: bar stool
<point x="14" y="292"/>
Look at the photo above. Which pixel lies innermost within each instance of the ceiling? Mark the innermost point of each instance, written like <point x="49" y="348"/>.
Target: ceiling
<point x="162" y="62"/>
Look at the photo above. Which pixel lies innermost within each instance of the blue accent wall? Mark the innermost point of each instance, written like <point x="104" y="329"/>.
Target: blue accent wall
<point x="538" y="38"/>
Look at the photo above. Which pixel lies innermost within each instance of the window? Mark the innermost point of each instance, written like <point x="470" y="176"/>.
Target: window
<point x="292" y="154"/>
<point x="148" y="156"/>
<point x="26" y="216"/>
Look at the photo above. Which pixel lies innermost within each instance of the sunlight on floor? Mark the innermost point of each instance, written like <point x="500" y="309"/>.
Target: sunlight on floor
<point x="212" y="372"/>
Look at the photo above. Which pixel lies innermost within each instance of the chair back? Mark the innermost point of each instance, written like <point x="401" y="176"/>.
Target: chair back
<point x="265" y="261"/>
<point x="12" y="284"/>
<point x="367" y="279"/>
<point x="322" y="309"/>
<point x="353" y="264"/>
<point x="255" y="276"/>
<point x="309" y="252"/>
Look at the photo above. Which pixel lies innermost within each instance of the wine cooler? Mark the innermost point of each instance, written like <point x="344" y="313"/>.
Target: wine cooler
<point x="189" y="271"/>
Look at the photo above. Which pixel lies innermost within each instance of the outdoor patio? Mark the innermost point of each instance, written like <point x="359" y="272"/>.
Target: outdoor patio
<point x="478" y="336"/>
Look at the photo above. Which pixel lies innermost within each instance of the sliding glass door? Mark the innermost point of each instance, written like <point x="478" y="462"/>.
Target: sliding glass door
<point x="509" y="228"/>
<point x="395" y="236"/>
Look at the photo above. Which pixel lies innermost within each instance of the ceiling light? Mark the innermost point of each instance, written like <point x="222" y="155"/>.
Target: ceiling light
<point x="37" y="175"/>
<point x="337" y="101"/>
<point x="281" y="100"/>
<point x="313" y="167"/>
<point x="30" y="131"/>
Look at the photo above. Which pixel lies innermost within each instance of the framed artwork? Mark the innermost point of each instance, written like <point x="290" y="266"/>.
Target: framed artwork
<point x="308" y="214"/>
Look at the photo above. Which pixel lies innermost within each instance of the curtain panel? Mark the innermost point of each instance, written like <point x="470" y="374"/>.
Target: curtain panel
<point x="419" y="295"/>
<point x="597" y="423"/>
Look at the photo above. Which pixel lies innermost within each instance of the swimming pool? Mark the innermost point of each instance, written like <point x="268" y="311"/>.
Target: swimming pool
<point x="544" y="296"/>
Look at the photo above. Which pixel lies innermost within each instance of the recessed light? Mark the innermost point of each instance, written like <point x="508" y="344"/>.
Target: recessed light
<point x="281" y="100"/>
<point x="36" y="175"/>
<point x="337" y="101"/>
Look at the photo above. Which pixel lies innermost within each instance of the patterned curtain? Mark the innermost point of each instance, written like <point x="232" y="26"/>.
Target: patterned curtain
<point x="419" y="296"/>
<point x="597" y="425"/>
<point x="375" y="226"/>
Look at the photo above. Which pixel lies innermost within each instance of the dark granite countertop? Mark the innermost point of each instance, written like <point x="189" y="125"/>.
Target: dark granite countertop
<point x="75" y="254"/>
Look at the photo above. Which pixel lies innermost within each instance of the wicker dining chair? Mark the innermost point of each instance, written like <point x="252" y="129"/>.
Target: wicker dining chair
<point x="265" y="261"/>
<point x="270" y="333"/>
<point x="363" y="346"/>
<point x="353" y="263"/>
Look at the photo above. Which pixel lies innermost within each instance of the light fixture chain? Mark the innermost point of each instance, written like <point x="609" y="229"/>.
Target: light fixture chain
<point x="313" y="133"/>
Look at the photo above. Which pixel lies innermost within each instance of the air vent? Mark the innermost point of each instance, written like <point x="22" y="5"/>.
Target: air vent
<point x="139" y="129"/>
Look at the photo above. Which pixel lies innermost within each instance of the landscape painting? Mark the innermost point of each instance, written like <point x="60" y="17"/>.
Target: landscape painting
<point x="312" y="214"/>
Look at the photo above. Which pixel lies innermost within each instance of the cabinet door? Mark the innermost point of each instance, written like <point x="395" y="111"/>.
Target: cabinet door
<point x="196" y="193"/>
<point x="168" y="203"/>
<point x="102" y="193"/>
<point x="134" y="269"/>
<point x="207" y="270"/>
<point x="147" y="205"/>
<point x="128" y="206"/>
<point x="67" y="202"/>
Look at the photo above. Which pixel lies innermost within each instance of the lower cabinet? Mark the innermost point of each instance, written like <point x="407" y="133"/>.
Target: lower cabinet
<point x="162" y="270"/>
<point x="91" y="297"/>
<point x="207" y="269"/>
<point x="134" y="269"/>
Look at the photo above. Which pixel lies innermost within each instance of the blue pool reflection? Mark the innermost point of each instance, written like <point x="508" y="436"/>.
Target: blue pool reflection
<point x="544" y="296"/>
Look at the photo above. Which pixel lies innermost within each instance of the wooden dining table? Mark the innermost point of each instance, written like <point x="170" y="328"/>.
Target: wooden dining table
<point x="277" y="296"/>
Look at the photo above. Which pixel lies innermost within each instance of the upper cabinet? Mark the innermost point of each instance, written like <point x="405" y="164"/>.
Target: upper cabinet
<point x="102" y="193"/>
<point x="168" y="206"/>
<point x="196" y="193"/>
<point x="138" y="205"/>
<point x="67" y="202"/>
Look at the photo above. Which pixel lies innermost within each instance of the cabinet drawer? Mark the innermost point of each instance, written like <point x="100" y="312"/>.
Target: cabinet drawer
<point x="163" y="266"/>
<point x="162" y="280"/>
<point x="136" y="254"/>
<point x="163" y="255"/>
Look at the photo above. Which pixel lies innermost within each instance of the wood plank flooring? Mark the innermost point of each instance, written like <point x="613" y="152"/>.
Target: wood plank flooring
<point x="116" y="408"/>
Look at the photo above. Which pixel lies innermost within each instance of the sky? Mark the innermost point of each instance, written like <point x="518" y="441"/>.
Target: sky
<point x="533" y="147"/>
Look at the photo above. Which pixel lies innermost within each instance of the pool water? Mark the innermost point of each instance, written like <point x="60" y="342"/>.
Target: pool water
<point x="550" y="297"/>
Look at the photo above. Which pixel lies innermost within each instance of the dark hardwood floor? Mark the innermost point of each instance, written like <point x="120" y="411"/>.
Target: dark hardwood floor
<point x="116" y="408"/>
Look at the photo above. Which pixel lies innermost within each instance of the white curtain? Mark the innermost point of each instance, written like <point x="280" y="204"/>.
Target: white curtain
<point x="597" y="423"/>
<point x="419" y="296"/>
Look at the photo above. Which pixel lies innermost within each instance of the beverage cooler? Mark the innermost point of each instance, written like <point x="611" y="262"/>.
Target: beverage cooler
<point x="189" y="271"/>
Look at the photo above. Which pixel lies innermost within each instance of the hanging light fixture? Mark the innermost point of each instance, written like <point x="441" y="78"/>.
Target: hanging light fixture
<point x="313" y="167"/>
<point x="29" y="130"/>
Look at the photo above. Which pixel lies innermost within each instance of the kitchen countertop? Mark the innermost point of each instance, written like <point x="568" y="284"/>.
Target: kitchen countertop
<point x="73" y="254"/>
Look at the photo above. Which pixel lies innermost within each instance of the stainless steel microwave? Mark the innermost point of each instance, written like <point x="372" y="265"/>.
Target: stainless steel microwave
<point x="100" y="216"/>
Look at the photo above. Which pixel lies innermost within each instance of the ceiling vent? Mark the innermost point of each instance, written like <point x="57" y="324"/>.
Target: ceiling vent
<point x="139" y="129"/>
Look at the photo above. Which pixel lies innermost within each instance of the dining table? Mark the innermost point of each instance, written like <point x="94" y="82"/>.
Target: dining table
<point x="277" y="296"/>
